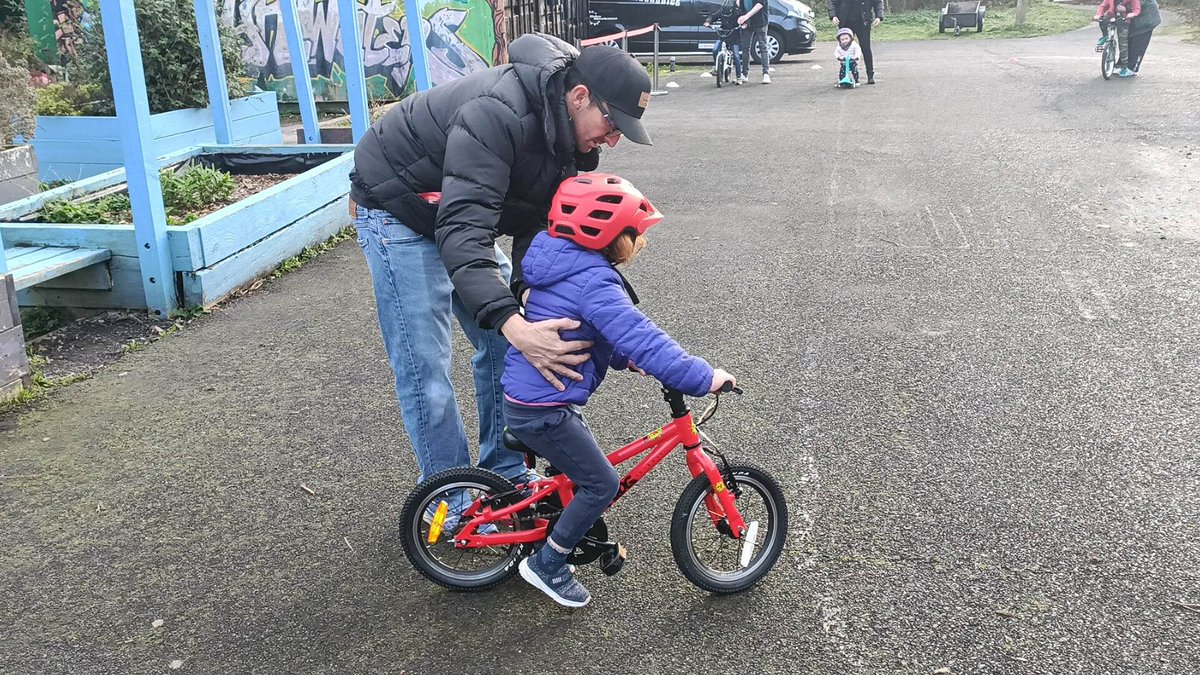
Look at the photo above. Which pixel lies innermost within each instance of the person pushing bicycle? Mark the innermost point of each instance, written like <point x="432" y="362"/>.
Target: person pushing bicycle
<point x="596" y="222"/>
<point x="1125" y="10"/>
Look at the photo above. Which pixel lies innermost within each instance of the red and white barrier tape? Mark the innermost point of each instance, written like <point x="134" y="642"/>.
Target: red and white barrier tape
<point x="617" y="36"/>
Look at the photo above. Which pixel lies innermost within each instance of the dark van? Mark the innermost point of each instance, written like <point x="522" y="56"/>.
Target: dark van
<point x="682" y="28"/>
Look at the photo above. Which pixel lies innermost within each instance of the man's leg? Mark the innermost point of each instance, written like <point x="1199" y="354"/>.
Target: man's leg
<point x="760" y="37"/>
<point x="413" y="301"/>
<point x="863" y="33"/>
<point x="747" y="45"/>
<point x="1138" y="44"/>
<point x="487" y="366"/>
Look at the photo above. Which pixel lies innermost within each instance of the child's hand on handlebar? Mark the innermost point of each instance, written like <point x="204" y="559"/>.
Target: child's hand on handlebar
<point x="720" y="377"/>
<point x="633" y="368"/>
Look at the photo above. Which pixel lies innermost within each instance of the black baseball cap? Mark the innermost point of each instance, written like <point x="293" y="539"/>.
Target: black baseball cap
<point x="621" y="82"/>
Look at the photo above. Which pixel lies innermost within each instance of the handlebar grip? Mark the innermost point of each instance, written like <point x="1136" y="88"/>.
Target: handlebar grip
<point x="728" y="387"/>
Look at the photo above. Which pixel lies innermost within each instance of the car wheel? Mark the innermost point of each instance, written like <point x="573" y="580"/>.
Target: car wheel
<point x="775" y="45"/>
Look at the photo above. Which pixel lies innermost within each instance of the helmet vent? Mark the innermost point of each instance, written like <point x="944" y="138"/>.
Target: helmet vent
<point x="564" y="229"/>
<point x="590" y="231"/>
<point x="568" y="209"/>
<point x="610" y="199"/>
<point x="601" y="215"/>
<point x="584" y="180"/>
<point x="613" y="180"/>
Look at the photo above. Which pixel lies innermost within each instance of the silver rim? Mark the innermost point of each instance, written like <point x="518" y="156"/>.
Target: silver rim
<point x="717" y="555"/>
<point x="772" y="46"/>
<point x="461" y="564"/>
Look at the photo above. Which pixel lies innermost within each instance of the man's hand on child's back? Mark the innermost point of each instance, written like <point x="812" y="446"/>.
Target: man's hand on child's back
<point x="635" y="369"/>
<point x="720" y="377"/>
<point x="545" y="350"/>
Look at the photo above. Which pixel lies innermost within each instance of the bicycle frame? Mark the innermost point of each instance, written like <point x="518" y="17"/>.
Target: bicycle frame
<point x="655" y="445"/>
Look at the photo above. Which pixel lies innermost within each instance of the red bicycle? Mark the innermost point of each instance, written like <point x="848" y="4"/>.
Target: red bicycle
<point x="467" y="528"/>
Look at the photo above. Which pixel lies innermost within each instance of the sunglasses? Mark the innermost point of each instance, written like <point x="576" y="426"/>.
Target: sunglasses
<point x="613" y="130"/>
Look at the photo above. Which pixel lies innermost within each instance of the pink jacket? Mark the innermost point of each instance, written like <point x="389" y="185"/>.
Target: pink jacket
<point x="1109" y="8"/>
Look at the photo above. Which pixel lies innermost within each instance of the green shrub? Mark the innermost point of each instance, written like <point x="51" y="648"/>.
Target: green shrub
<point x="184" y="194"/>
<point x="63" y="98"/>
<point x="17" y="102"/>
<point x="196" y="187"/>
<point x="171" y="58"/>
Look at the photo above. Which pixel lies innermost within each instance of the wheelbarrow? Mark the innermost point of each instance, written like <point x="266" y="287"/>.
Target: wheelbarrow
<point x="960" y="15"/>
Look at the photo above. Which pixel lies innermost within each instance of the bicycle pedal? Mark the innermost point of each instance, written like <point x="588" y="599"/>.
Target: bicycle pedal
<point x="612" y="560"/>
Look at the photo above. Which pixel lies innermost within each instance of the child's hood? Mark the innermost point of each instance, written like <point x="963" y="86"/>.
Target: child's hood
<point x="549" y="260"/>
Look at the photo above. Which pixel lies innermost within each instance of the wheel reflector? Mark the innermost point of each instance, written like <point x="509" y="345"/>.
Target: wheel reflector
<point x="439" y="519"/>
<point x="748" y="542"/>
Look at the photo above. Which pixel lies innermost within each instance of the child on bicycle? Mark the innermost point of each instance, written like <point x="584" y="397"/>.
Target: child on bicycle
<point x="596" y="222"/>
<point x="847" y="47"/>
<point x="1124" y="10"/>
<point x="727" y="17"/>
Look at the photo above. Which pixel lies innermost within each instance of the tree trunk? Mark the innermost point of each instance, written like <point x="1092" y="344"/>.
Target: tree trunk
<point x="1022" y="10"/>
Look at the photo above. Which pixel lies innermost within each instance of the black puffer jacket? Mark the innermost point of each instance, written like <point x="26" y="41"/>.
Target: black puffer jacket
<point x="496" y="144"/>
<point x="856" y="11"/>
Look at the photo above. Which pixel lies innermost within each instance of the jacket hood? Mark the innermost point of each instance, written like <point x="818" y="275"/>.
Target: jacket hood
<point x="540" y="62"/>
<point x="552" y="259"/>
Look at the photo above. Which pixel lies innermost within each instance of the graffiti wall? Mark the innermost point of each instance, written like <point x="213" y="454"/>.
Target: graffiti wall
<point x="463" y="36"/>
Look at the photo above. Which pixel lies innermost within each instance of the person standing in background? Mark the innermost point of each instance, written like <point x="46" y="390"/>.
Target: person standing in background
<point x="754" y="33"/>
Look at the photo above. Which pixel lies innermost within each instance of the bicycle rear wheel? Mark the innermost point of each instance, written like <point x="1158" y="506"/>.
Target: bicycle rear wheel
<point x="714" y="560"/>
<point x="431" y="517"/>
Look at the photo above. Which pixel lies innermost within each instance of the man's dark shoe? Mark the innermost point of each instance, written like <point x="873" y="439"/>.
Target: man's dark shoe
<point x="870" y="78"/>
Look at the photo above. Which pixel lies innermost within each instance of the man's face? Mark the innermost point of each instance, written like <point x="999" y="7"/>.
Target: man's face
<point x="593" y="125"/>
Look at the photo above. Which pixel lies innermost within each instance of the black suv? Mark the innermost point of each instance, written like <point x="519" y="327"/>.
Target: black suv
<point x="682" y="28"/>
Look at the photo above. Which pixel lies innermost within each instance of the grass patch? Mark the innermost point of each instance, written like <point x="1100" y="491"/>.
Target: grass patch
<point x="41" y="385"/>
<point x="295" y="262"/>
<point x="1043" y="18"/>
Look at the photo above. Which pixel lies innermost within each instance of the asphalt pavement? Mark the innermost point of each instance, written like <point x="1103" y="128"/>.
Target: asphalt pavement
<point x="965" y="307"/>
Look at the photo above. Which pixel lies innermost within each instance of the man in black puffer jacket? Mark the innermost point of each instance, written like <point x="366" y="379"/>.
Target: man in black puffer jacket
<point x="495" y="145"/>
<point x="859" y="16"/>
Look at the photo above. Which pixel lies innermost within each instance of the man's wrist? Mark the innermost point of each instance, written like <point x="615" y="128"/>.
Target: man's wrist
<point x="512" y="326"/>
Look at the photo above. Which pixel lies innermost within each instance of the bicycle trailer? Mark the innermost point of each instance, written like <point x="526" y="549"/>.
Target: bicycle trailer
<point x="959" y="15"/>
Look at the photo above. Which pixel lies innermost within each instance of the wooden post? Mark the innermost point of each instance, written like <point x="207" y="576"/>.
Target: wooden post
<point x="352" y="63"/>
<point x="214" y="70"/>
<point x="137" y="149"/>
<point x="416" y="42"/>
<point x="299" y="56"/>
<point x="14" y="366"/>
<point x="1022" y="10"/>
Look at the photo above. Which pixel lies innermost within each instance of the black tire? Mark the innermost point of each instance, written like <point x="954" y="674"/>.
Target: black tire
<point x="721" y="65"/>
<point x="1108" y="58"/>
<point x="417" y="549"/>
<point x="751" y="479"/>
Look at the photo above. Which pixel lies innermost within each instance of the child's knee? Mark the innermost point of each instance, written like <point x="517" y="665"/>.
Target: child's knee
<point x="608" y="484"/>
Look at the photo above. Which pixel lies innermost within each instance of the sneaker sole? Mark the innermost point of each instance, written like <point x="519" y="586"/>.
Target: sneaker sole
<point x="536" y="581"/>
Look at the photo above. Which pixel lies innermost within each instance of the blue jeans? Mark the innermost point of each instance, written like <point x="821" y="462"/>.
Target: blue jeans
<point x="415" y="300"/>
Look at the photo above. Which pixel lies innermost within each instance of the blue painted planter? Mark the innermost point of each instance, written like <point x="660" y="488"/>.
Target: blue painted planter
<point x="73" y="148"/>
<point x="212" y="256"/>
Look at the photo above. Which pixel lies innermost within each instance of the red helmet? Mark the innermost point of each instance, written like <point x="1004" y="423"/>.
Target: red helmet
<point x="592" y="209"/>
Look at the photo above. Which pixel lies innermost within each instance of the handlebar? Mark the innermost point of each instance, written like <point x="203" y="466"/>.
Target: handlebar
<point x="729" y="387"/>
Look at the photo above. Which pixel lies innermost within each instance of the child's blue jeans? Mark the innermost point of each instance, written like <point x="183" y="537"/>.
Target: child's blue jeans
<point x="415" y="300"/>
<point x="559" y="435"/>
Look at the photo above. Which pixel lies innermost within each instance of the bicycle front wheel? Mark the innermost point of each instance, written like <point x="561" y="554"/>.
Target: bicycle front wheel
<point x="706" y="552"/>
<point x="722" y="65"/>
<point x="1108" y="58"/>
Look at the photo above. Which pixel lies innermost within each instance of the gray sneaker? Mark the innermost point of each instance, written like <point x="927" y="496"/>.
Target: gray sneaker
<point x="561" y="584"/>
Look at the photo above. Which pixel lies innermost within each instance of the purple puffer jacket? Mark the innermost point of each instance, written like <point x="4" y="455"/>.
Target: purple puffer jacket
<point x="569" y="281"/>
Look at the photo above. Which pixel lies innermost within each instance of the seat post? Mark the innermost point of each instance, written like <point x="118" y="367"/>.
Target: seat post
<point x="675" y="398"/>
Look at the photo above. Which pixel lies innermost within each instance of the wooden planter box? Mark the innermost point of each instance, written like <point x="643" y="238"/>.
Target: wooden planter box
<point x="18" y="173"/>
<point x="330" y="135"/>
<point x="213" y="255"/>
<point x="73" y="148"/>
